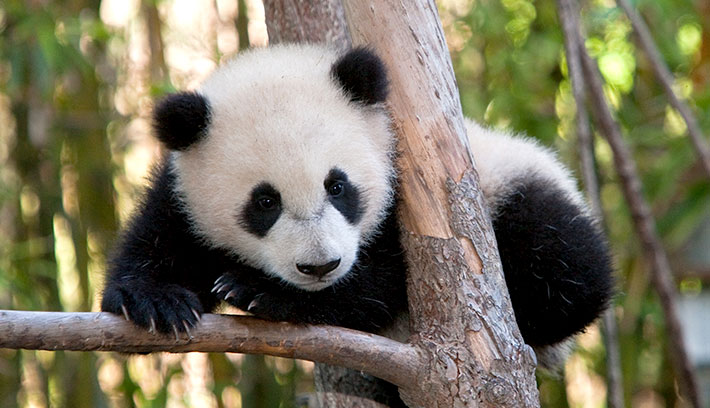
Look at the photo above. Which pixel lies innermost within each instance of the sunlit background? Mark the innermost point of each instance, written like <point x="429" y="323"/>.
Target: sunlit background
<point x="77" y="83"/>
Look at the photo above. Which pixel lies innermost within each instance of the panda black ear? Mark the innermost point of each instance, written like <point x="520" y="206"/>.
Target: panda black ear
<point x="181" y="119"/>
<point x="363" y="76"/>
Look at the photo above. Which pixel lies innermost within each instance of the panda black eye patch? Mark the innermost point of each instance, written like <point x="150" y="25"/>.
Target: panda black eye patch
<point x="262" y="210"/>
<point x="344" y="195"/>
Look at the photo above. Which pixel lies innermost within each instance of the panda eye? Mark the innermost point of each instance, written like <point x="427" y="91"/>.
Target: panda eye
<point x="267" y="203"/>
<point x="336" y="189"/>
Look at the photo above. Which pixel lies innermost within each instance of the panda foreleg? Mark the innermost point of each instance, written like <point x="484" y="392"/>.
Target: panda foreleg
<point x="160" y="274"/>
<point x="156" y="293"/>
<point x="150" y="290"/>
<point x="353" y="304"/>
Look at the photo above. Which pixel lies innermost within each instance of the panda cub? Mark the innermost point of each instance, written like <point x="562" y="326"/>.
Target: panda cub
<point x="278" y="197"/>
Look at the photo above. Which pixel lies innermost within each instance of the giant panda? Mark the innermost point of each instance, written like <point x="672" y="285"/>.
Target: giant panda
<point x="278" y="196"/>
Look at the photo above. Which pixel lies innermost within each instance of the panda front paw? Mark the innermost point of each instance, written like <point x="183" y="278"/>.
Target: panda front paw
<point x="164" y="309"/>
<point x="254" y="297"/>
<point x="238" y="294"/>
<point x="268" y="306"/>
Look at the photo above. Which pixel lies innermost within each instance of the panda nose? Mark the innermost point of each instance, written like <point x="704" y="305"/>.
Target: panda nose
<point x="318" y="270"/>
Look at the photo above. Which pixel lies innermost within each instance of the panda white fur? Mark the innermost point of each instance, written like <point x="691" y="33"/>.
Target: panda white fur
<point x="278" y="197"/>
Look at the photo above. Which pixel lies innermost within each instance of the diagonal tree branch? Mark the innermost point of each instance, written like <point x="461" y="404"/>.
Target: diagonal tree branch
<point x="664" y="75"/>
<point x="570" y="27"/>
<point x="661" y="274"/>
<point x="382" y="357"/>
<point x="572" y="35"/>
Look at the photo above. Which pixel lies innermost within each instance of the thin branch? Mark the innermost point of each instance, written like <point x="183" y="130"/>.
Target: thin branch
<point x="666" y="79"/>
<point x="614" y="376"/>
<point x="661" y="274"/>
<point x="572" y="36"/>
<point x="384" y="358"/>
<point x="158" y="68"/>
<point x="570" y="26"/>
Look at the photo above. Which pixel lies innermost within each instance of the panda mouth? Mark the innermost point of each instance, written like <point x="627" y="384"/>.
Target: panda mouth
<point x="316" y="285"/>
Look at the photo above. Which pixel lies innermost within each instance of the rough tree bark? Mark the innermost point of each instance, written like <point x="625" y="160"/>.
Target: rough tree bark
<point x="460" y="312"/>
<point x="314" y="21"/>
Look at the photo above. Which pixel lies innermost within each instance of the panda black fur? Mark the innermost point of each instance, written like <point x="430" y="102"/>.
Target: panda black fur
<point x="278" y="197"/>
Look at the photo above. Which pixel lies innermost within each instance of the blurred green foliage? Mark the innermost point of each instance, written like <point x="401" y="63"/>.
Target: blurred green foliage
<point x="72" y="99"/>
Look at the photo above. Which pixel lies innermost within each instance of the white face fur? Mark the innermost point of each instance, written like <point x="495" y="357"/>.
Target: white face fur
<point x="281" y="128"/>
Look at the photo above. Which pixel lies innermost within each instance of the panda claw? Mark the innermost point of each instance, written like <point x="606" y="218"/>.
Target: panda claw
<point x="216" y="282"/>
<point x="152" y="328"/>
<point x="197" y="315"/>
<point x="187" y="329"/>
<point x="175" y="330"/>
<point x="254" y="304"/>
<point x="220" y="287"/>
<point x="231" y="294"/>
<point x="125" y="312"/>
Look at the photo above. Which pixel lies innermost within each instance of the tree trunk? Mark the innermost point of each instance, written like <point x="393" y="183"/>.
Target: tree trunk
<point x="476" y="355"/>
<point x="314" y="21"/>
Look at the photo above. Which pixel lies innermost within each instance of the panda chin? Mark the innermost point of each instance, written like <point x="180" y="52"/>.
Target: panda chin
<point x="311" y="284"/>
<point x="316" y="285"/>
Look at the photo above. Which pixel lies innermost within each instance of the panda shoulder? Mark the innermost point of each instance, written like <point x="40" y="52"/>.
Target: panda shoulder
<point x="504" y="160"/>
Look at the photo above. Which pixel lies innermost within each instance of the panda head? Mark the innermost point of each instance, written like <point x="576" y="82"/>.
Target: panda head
<point x="283" y="157"/>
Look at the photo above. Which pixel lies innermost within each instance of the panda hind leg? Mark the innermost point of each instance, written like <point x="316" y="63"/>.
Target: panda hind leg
<point x="555" y="259"/>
